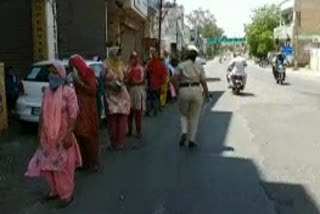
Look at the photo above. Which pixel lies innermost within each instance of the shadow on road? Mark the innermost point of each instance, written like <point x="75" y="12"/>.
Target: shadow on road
<point x="286" y="84"/>
<point x="247" y="94"/>
<point x="214" y="79"/>
<point x="162" y="178"/>
<point x="214" y="127"/>
<point x="290" y="198"/>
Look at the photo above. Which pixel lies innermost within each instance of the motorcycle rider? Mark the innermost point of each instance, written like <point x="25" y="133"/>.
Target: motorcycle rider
<point x="237" y="68"/>
<point x="277" y="61"/>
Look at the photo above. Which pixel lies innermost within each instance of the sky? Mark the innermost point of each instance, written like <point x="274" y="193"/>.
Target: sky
<point x="231" y="15"/>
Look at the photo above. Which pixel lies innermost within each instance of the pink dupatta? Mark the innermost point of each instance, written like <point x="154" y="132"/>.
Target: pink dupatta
<point x="51" y="110"/>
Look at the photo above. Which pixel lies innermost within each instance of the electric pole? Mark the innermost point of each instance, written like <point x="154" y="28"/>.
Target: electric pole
<point x="296" y="33"/>
<point x="160" y="27"/>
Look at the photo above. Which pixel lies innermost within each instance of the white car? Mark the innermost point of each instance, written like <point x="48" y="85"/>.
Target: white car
<point x="29" y="103"/>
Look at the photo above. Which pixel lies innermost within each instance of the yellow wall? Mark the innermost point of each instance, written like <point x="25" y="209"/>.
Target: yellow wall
<point x="39" y="30"/>
<point x="3" y="110"/>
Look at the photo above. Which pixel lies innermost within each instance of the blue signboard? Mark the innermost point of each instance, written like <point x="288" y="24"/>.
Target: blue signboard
<point x="288" y="51"/>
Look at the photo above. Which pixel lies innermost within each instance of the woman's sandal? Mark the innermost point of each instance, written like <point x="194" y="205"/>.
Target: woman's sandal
<point x="49" y="197"/>
<point x="65" y="203"/>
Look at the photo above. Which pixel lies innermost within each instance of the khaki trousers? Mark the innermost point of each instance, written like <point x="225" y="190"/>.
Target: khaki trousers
<point x="190" y="104"/>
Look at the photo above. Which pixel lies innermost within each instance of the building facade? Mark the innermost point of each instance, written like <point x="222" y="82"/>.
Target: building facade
<point x="35" y="30"/>
<point x="173" y="29"/>
<point x="299" y="28"/>
<point x="81" y="28"/>
<point x="151" y="34"/>
<point x="126" y="26"/>
<point x="16" y="34"/>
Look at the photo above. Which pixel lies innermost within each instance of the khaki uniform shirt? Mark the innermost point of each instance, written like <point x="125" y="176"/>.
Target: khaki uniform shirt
<point x="190" y="72"/>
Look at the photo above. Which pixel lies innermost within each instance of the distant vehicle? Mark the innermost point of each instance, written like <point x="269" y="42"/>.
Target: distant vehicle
<point x="237" y="84"/>
<point x="281" y="72"/>
<point x="29" y="102"/>
<point x="224" y="58"/>
<point x="264" y="63"/>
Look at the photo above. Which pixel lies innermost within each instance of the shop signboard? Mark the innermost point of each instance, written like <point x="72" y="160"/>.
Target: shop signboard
<point x="3" y="108"/>
<point x="44" y="30"/>
<point x="39" y="29"/>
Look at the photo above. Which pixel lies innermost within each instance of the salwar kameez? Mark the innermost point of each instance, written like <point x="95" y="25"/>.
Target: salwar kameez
<point x="164" y="94"/>
<point x="87" y="126"/>
<point x="135" y="79"/>
<point x="118" y="102"/>
<point x="52" y="160"/>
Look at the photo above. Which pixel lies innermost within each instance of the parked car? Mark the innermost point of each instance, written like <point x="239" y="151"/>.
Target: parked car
<point x="29" y="102"/>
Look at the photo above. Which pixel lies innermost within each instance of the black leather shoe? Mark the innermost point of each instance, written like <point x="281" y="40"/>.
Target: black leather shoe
<point x="192" y="145"/>
<point x="183" y="139"/>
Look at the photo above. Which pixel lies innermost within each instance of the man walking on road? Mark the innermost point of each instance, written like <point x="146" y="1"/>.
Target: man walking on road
<point x="188" y="78"/>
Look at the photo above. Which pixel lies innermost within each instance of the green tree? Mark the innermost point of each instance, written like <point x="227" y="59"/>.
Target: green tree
<point x="259" y="32"/>
<point x="204" y="23"/>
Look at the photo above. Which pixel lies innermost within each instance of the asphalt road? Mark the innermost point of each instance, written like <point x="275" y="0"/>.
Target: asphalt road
<point x="258" y="154"/>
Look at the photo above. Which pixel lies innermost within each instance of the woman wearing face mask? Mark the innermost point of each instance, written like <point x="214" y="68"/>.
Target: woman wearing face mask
<point x="118" y="99"/>
<point x="135" y="79"/>
<point x="87" y="126"/>
<point x="58" y="154"/>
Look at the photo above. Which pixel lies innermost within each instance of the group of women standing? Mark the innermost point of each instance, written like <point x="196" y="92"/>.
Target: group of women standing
<point x="69" y="121"/>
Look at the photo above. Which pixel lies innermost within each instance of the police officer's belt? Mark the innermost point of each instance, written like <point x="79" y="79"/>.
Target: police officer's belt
<point x="191" y="84"/>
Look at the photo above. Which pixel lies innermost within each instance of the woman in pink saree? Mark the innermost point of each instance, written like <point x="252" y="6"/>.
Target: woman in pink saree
<point x="58" y="154"/>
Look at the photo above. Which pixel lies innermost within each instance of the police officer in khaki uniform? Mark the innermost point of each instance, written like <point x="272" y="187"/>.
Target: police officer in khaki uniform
<point x="188" y="78"/>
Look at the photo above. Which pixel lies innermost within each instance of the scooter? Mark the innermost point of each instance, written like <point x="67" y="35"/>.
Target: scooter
<point x="237" y="84"/>
<point x="281" y="72"/>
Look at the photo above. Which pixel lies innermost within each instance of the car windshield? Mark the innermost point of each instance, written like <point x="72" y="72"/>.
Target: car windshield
<point x="38" y="74"/>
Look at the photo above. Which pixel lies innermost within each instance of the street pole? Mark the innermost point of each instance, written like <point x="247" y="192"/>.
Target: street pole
<point x="160" y="27"/>
<point x="296" y="53"/>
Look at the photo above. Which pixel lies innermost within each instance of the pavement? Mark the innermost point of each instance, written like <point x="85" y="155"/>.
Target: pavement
<point x="258" y="154"/>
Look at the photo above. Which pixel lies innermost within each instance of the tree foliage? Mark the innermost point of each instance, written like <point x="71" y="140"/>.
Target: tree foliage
<point x="259" y="32"/>
<point x="204" y="22"/>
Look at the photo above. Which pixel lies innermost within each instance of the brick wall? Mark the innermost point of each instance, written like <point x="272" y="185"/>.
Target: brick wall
<point x="310" y="16"/>
<point x="16" y="34"/>
<point x="81" y="27"/>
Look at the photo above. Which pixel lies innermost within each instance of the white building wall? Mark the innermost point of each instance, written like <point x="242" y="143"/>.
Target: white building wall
<point x="315" y="59"/>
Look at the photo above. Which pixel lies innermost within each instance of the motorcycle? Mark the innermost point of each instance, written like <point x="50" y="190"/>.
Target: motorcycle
<point x="281" y="72"/>
<point x="237" y="84"/>
<point x="263" y="63"/>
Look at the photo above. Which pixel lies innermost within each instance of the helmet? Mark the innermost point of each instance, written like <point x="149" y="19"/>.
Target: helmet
<point x="193" y="48"/>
